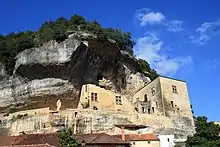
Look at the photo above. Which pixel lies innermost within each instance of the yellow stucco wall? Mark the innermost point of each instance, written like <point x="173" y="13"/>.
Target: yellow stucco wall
<point x="180" y="100"/>
<point x="106" y="99"/>
<point x="145" y="144"/>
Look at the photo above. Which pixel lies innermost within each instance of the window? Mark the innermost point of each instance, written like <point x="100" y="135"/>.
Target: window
<point x="156" y="105"/>
<point x="148" y="111"/>
<point x="153" y="109"/>
<point x="133" y="143"/>
<point x="153" y="91"/>
<point x="172" y="104"/>
<point x="95" y="108"/>
<point x="174" y="89"/>
<point x="118" y="100"/>
<point x="148" y="142"/>
<point x="86" y="88"/>
<point x="168" y="139"/>
<point x="94" y="96"/>
<point x="145" y="97"/>
<point x="143" y="110"/>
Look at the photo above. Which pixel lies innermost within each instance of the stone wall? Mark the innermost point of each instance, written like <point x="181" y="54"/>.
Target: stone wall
<point x="87" y="121"/>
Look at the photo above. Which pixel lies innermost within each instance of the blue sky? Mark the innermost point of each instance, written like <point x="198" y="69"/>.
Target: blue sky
<point x="179" y="38"/>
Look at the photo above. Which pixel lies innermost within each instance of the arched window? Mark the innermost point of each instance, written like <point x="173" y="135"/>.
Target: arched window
<point x="145" y="98"/>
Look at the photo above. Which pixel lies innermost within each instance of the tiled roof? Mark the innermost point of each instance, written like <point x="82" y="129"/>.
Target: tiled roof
<point x="98" y="138"/>
<point x="139" y="137"/>
<point x="34" y="145"/>
<point x="44" y="140"/>
<point x="30" y="139"/>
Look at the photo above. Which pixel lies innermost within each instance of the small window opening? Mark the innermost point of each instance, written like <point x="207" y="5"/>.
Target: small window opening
<point x="94" y="96"/>
<point x="156" y="105"/>
<point x="148" y="142"/>
<point x="174" y="89"/>
<point x="172" y="104"/>
<point x="86" y="88"/>
<point x="118" y="100"/>
<point x="168" y="139"/>
<point x="153" y="91"/>
<point x="145" y="98"/>
<point x="148" y="111"/>
<point x="95" y="108"/>
<point x="143" y="110"/>
<point x="153" y="109"/>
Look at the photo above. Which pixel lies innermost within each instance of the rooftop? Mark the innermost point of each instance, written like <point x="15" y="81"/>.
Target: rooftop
<point x="139" y="137"/>
<point x="98" y="138"/>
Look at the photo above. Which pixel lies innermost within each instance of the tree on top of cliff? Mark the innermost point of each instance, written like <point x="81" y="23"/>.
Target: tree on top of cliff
<point x="207" y="134"/>
<point x="13" y="43"/>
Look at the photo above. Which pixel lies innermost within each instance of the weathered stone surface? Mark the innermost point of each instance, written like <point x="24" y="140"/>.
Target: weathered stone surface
<point x="58" y="69"/>
<point x="87" y="121"/>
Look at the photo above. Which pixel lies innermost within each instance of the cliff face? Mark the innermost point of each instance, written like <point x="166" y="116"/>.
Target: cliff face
<point x="58" y="70"/>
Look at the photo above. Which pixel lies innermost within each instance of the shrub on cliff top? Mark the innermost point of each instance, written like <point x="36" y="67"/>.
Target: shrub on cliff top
<point x="13" y="43"/>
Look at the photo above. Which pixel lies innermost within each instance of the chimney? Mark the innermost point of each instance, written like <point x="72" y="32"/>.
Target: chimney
<point x="123" y="133"/>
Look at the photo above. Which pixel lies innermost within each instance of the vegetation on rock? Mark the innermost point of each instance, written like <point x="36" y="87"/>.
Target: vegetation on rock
<point x="66" y="139"/>
<point x="207" y="134"/>
<point x="13" y="43"/>
<point x="145" y="69"/>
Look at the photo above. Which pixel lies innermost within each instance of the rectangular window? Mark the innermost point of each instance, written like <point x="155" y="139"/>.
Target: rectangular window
<point x="145" y="98"/>
<point x="153" y="109"/>
<point x="153" y="91"/>
<point x="172" y="104"/>
<point x="148" y="111"/>
<point x="174" y="89"/>
<point x="143" y="110"/>
<point x="156" y="105"/>
<point x="94" y="96"/>
<point x="118" y="100"/>
<point x="86" y="88"/>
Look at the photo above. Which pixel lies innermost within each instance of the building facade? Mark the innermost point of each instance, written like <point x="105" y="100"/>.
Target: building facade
<point x="164" y="96"/>
<point x="95" y="97"/>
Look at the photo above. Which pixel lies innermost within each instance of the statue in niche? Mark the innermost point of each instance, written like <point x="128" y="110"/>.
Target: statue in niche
<point x="58" y="105"/>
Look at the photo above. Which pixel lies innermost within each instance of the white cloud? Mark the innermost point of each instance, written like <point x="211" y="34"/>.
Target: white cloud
<point x="175" y="26"/>
<point x="205" y="32"/>
<point x="149" y="17"/>
<point x="149" y="47"/>
<point x="146" y="17"/>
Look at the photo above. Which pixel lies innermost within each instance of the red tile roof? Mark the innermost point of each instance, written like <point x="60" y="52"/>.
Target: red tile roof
<point x="98" y="138"/>
<point x="139" y="137"/>
<point x="43" y="140"/>
<point x="30" y="139"/>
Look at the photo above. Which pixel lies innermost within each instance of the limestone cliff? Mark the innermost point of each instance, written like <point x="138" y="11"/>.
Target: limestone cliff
<point x="58" y="70"/>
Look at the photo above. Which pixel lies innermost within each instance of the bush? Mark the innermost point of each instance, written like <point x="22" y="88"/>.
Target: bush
<point x="13" y="43"/>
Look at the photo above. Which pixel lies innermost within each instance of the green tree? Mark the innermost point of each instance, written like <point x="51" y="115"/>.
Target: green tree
<point x="145" y="69"/>
<point x="207" y="134"/>
<point x="67" y="139"/>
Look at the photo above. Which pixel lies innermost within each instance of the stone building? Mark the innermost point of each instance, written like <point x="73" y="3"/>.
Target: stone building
<point x="164" y="96"/>
<point x="95" y="97"/>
